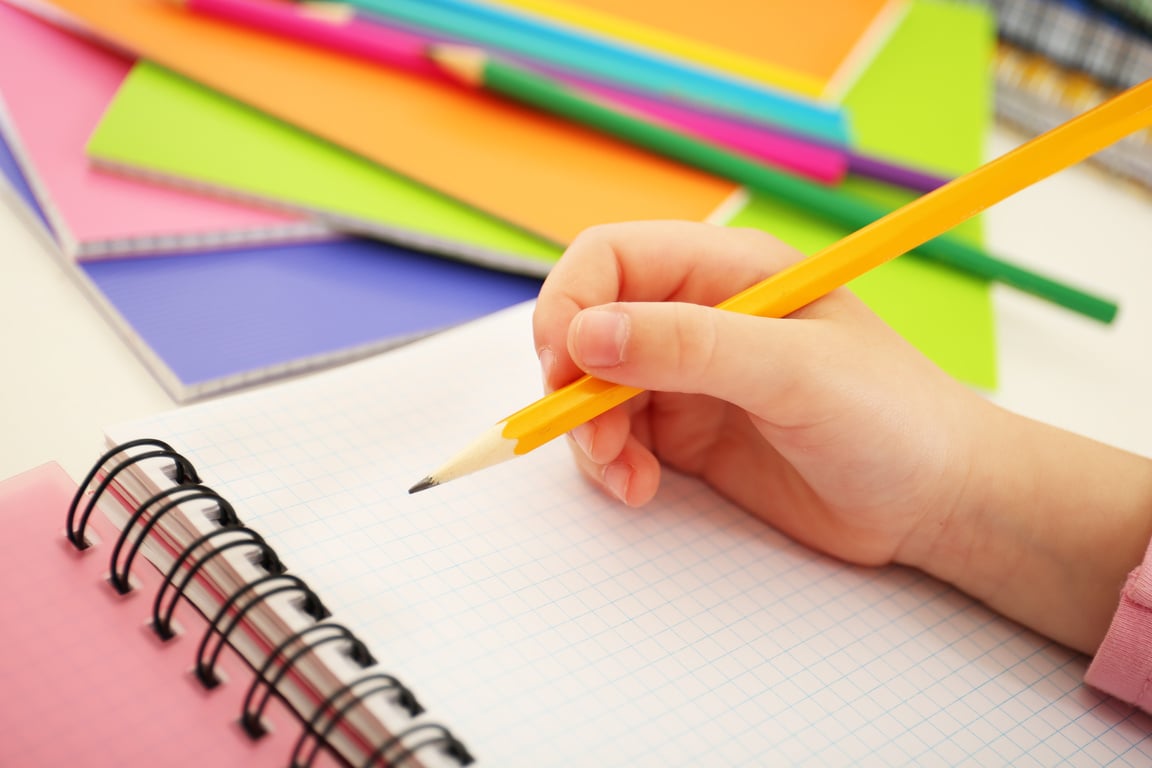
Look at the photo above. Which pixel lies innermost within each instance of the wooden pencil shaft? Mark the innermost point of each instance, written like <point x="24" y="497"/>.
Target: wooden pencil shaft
<point x="833" y="204"/>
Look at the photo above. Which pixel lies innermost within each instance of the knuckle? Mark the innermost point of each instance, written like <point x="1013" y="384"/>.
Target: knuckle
<point x="696" y="335"/>
<point x="754" y="237"/>
<point x="773" y="253"/>
<point x="595" y="236"/>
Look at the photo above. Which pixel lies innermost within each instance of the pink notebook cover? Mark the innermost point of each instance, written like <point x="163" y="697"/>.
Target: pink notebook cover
<point x="83" y="679"/>
<point x="54" y="88"/>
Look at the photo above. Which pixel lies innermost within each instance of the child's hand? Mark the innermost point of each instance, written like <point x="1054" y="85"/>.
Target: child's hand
<point x="833" y="429"/>
<point x="828" y="425"/>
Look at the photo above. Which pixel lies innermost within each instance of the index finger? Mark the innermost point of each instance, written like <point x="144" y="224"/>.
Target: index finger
<point x="647" y="261"/>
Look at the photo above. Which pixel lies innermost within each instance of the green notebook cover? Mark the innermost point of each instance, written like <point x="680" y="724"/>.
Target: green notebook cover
<point x="925" y="99"/>
<point x="173" y="129"/>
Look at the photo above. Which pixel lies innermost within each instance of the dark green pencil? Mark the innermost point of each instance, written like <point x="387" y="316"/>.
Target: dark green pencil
<point x="477" y="69"/>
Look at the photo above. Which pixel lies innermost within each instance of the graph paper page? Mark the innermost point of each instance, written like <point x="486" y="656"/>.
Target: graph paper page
<point x="547" y="625"/>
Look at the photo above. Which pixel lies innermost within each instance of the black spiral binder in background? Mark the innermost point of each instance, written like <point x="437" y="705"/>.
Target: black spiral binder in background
<point x="326" y="716"/>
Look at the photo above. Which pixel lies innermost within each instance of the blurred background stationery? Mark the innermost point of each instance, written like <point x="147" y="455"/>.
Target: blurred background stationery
<point x="816" y="48"/>
<point x="1109" y="42"/>
<point x="216" y="320"/>
<point x="1058" y="58"/>
<point x="925" y="99"/>
<point x="338" y="28"/>
<point x="656" y="80"/>
<point x="54" y="86"/>
<point x="532" y="170"/>
<point x="162" y="126"/>
<point x="249" y="111"/>
<point x="235" y="317"/>
<point x="661" y="77"/>
<point x="936" y="121"/>
<point x="164" y="132"/>
<point x="479" y="70"/>
<point x="671" y="81"/>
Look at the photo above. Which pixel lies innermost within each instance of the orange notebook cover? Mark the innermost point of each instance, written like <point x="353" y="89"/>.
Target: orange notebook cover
<point x="539" y="172"/>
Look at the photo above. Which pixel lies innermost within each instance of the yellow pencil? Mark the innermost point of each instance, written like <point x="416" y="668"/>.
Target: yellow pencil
<point x="788" y="290"/>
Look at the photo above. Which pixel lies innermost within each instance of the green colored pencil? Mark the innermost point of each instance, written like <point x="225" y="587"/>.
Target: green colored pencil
<point x="476" y="69"/>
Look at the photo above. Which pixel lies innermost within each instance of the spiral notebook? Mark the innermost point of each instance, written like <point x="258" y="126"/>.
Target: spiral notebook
<point x="84" y="681"/>
<point x="540" y="624"/>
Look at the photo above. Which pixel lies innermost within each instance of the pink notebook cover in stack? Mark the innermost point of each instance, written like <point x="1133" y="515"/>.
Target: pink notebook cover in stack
<point x="54" y="88"/>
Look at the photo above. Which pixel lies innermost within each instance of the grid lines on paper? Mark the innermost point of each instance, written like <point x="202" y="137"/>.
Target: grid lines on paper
<point x="548" y="626"/>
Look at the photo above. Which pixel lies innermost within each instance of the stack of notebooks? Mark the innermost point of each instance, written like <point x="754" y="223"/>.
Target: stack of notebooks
<point x="213" y="294"/>
<point x="314" y="205"/>
<point x="253" y="188"/>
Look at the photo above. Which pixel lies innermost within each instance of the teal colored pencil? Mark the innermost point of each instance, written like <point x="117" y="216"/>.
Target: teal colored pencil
<point x="616" y="66"/>
<point x="477" y="69"/>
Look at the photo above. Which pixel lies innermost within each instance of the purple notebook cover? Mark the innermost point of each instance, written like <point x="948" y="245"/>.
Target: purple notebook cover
<point x="219" y="320"/>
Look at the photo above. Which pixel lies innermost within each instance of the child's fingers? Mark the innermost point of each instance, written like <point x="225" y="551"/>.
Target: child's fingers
<point x="647" y="261"/>
<point x="632" y="475"/>
<point x="759" y="364"/>
<point x="603" y="438"/>
<point x="665" y="261"/>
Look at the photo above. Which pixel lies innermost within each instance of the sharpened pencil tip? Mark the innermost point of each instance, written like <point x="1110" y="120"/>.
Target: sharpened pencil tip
<point x="425" y="484"/>
<point x="462" y="62"/>
<point x="491" y="448"/>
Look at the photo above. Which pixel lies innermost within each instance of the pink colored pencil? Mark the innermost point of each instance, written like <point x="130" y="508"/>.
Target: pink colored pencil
<point x="816" y="161"/>
<point x="334" y="27"/>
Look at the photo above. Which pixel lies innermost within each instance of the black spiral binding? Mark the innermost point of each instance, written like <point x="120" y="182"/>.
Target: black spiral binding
<point x="185" y="473"/>
<point x="268" y="560"/>
<point x="331" y="633"/>
<point x="231" y="533"/>
<point x="396" y="752"/>
<point x="176" y="495"/>
<point x="318" y="727"/>
<point x="206" y="664"/>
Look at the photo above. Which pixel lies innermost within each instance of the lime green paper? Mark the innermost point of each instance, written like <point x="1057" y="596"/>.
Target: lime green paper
<point x="924" y="100"/>
<point x="171" y="127"/>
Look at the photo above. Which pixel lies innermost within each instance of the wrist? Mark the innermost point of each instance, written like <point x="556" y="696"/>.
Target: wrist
<point x="968" y="540"/>
<point x="1045" y="528"/>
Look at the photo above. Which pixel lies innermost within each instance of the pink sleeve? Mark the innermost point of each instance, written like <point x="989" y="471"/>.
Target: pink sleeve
<point x="1123" y="664"/>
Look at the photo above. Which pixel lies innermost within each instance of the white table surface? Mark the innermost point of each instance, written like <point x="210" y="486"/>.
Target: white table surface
<point x="66" y="374"/>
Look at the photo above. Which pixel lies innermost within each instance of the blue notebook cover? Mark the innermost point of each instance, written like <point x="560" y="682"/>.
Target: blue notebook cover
<point x="25" y="204"/>
<point x="219" y="320"/>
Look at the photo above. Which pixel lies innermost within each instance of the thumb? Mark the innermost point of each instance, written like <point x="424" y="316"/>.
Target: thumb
<point x="678" y="347"/>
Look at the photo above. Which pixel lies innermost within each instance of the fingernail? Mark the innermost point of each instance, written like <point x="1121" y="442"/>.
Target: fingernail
<point x="584" y="435"/>
<point x="600" y="337"/>
<point x="547" y="363"/>
<point x="617" y="477"/>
